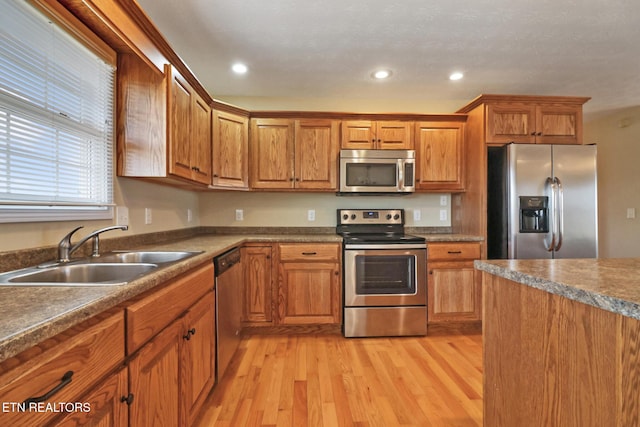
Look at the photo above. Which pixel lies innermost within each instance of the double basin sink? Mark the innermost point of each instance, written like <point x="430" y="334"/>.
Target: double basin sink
<point x="114" y="268"/>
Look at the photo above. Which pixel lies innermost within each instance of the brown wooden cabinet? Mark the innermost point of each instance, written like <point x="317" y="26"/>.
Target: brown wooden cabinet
<point x="163" y="126"/>
<point x="230" y="159"/>
<point x="72" y="363"/>
<point x="453" y="285"/>
<point x="293" y="154"/>
<point x="383" y="135"/>
<point x="258" y="285"/>
<point x="534" y="123"/>
<point x="439" y="159"/>
<point x="309" y="290"/>
<point x="107" y="403"/>
<point x="174" y="368"/>
<point x="189" y="130"/>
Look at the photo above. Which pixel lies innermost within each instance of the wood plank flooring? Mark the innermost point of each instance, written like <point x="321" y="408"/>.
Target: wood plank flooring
<point x="328" y="380"/>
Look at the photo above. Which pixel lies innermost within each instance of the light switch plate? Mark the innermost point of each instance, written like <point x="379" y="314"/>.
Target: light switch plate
<point x="239" y="215"/>
<point x="417" y="215"/>
<point x="443" y="215"/>
<point x="122" y="215"/>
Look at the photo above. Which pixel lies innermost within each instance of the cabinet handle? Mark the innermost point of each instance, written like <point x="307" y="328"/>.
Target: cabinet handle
<point x="454" y="252"/>
<point x="128" y="399"/>
<point x="533" y="134"/>
<point x="291" y="179"/>
<point x="539" y="133"/>
<point x="431" y="272"/>
<point x="309" y="253"/>
<point x="66" y="379"/>
<point x="215" y="175"/>
<point x="190" y="332"/>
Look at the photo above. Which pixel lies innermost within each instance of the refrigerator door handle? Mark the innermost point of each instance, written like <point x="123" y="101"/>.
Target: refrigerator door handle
<point x="550" y="238"/>
<point x="559" y="212"/>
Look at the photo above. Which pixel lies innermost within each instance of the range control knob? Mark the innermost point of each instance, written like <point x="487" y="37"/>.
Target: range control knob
<point x="353" y="216"/>
<point x="388" y="216"/>
<point x="345" y="216"/>
<point x="396" y="216"/>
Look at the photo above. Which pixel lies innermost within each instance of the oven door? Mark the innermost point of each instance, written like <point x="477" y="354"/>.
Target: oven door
<point x="385" y="277"/>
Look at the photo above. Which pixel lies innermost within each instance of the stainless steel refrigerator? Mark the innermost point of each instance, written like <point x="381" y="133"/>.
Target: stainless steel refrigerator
<point x="542" y="202"/>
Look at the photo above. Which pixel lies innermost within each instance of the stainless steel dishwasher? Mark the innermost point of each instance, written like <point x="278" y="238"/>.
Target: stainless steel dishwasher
<point x="229" y="280"/>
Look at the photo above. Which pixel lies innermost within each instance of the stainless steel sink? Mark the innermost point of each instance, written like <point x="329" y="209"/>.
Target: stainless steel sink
<point x="153" y="257"/>
<point x="113" y="268"/>
<point x="78" y="275"/>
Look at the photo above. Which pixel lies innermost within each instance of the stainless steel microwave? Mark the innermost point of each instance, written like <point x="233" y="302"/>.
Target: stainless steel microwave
<point x="377" y="171"/>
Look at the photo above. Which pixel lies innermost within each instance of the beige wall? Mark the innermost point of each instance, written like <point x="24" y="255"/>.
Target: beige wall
<point x="291" y="209"/>
<point x="169" y="211"/>
<point x="618" y="140"/>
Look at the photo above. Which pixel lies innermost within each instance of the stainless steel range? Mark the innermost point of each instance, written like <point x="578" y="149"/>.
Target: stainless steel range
<point x="385" y="282"/>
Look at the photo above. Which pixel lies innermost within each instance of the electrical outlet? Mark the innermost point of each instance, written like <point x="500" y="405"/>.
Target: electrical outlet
<point x="631" y="213"/>
<point x="148" y="219"/>
<point x="239" y="215"/>
<point x="417" y="215"/>
<point x="311" y="215"/>
<point x="122" y="215"/>
<point x="443" y="214"/>
<point x="443" y="200"/>
<point x="189" y="215"/>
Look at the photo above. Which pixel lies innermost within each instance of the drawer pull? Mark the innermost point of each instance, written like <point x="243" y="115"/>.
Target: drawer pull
<point x="454" y="252"/>
<point x="309" y="253"/>
<point x="66" y="379"/>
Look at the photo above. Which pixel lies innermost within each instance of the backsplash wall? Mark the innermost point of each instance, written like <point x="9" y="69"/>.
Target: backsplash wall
<point x="291" y="209"/>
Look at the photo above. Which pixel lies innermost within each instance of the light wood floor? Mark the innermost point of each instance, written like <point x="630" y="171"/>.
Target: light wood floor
<point x="328" y="380"/>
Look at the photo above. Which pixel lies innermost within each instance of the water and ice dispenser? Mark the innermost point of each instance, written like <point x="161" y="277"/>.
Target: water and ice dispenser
<point x="534" y="214"/>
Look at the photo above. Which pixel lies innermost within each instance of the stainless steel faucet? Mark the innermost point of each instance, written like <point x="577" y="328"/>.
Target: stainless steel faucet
<point x="65" y="249"/>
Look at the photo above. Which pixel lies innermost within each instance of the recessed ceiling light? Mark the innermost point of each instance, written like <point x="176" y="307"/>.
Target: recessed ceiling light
<point x="381" y="74"/>
<point x="456" y="76"/>
<point x="239" y="68"/>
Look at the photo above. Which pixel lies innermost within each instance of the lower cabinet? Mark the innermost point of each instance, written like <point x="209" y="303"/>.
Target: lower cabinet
<point x="309" y="284"/>
<point x="171" y="374"/>
<point x="258" y="287"/>
<point x="60" y="375"/>
<point x="454" y="286"/>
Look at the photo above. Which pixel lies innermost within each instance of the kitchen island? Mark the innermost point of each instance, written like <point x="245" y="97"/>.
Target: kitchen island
<point x="561" y="342"/>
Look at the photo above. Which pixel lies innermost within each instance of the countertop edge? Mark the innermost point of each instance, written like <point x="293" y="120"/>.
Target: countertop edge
<point x="595" y="299"/>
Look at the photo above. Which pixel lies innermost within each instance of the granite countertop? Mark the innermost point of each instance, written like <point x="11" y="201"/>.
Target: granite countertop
<point x="609" y="284"/>
<point x="33" y="314"/>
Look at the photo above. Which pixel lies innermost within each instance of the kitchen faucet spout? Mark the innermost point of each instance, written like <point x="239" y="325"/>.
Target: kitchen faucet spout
<point x="65" y="248"/>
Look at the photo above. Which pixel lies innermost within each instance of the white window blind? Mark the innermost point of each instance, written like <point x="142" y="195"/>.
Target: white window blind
<point x="56" y="121"/>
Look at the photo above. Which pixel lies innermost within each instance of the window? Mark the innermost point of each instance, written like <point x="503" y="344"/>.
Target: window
<point x="56" y="121"/>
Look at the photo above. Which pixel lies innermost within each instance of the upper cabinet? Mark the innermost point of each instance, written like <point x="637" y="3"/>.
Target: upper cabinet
<point x="293" y="154"/>
<point x="439" y="159"/>
<point x="164" y="126"/>
<point x="189" y="130"/>
<point x="230" y="150"/>
<point x="383" y="135"/>
<point x="534" y="122"/>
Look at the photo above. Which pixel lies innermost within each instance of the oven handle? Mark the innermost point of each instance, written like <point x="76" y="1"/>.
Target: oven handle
<point x="386" y="246"/>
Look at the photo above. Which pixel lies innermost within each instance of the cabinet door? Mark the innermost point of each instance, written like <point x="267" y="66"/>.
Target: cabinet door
<point x="197" y="357"/>
<point x="200" y="141"/>
<point x="453" y="292"/>
<point x="153" y="380"/>
<point x="106" y="404"/>
<point x="271" y="151"/>
<point x="358" y="135"/>
<point x="439" y="148"/>
<point x="230" y="150"/>
<point x="179" y="107"/>
<point x="558" y="124"/>
<point x="309" y="293"/>
<point x="256" y="262"/>
<point x="511" y="122"/>
<point x="394" y="135"/>
<point x="316" y="154"/>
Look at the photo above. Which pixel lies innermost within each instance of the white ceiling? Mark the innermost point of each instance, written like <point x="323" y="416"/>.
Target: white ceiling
<point x="329" y="48"/>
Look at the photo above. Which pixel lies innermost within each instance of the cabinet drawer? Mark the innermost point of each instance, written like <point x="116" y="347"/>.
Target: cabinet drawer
<point x="82" y="356"/>
<point x="453" y="251"/>
<point x="309" y="252"/>
<point x="149" y="315"/>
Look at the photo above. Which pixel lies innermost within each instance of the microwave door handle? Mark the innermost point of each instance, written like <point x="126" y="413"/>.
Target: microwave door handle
<point x="401" y="174"/>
